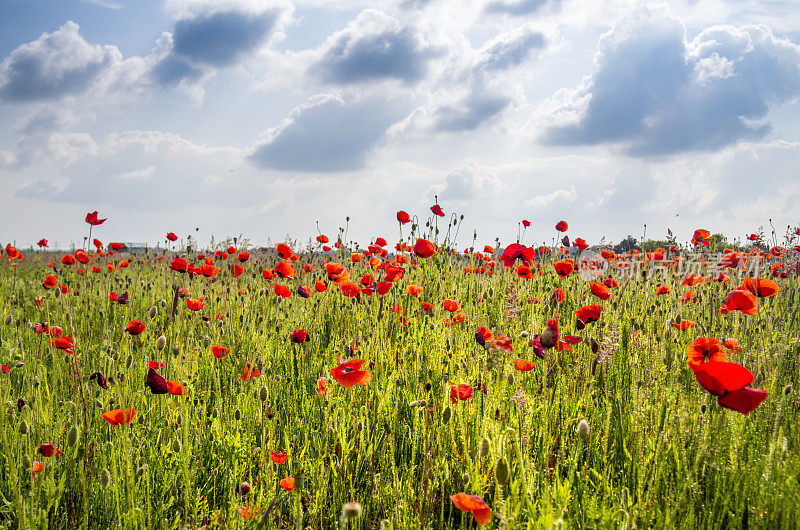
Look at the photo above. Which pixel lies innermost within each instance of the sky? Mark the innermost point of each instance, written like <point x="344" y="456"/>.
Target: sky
<point x="268" y="118"/>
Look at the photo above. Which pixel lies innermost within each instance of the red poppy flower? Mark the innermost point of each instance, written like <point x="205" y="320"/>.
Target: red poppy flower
<point x="156" y="382"/>
<point x="402" y="217"/>
<point x="195" y="304"/>
<point x="50" y="282"/>
<point x="705" y="349"/>
<point x="220" y="352"/>
<point x="701" y="236"/>
<point x="350" y="289"/>
<point x="282" y="291"/>
<point x="383" y="287"/>
<point x="236" y="270"/>
<point x="208" y="270"/>
<point x="322" y="388"/>
<point x="436" y="209"/>
<point x="692" y="279"/>
<point x="67" y="259"/>
<point x="460" y="393"/>
<point x="564" y="267"/>
<point x="662" y="289"/>
<point x="523" y="366"/>
<point x="523" y="271"/>
<point x="683" y="325"/>
<point x="284" y="251"/>
<point x="451" y="305"/>
<point x="287" y="483"/>
<point x="580" y="243"/>
<point x="473" y="504"/>
<point x="562" y="226"/>
<point x="171" y="236"/>
<point x="250" y="372"/>
<point x="514" y="252"/>
<point x="135" y="327"/>
<point x="744" y="400"/>
<point x="321" y="286"/>
<point x="600" y="290"/>
<point x="720" y="377"/>
<point x="299" y="336"/>
<point x="426" y="306"/>
<point x="278" y="458"/>
<point x="740" y="300"/>
<point x="424" y="248"/>
<point x="526" y="223"/>
<point x="119" y="416"/>
<point x="558" y="296"/>
<point x="243" y="256"/>
<point x="248" y="512"/>
<point x="589" y="313"/>
<point x="48" y="450"/>
<point x="63" y="343"/>
<point x="349" y="373"/>
<point x="761" y="287"/>
<point x="732" y="345"/>
<point x="322" y="238"/>
<point x="483" y="335"/>
<point x="92" y="219"/>
<point x="176" y="389"/>
<point x="155" y="365"/>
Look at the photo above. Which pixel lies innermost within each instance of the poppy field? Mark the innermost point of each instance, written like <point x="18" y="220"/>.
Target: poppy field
<point x="406" y="382"/>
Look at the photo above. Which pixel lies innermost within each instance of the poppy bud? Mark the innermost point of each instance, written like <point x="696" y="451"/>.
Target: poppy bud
<point x="447" y="413"/>
<point x="548" y="337"/>
<point x="413" y="404"/>
<point x="105" y="478"/>
<point x="579" y="324"/>
<point x="72" y="436"/>
<point x="583" y="430"/>
<point x="153" y="312"/>
<point x="483" y="451"/>
<point x="140" y="471"/>
<point x="176" y="351"/>
<point x="351" y="510"/>
<point x="8" y="320"/>
<point x="422" y="403"/>
<point x="129" y="361"/>
<point x="466" y="478"/>
<point x="176" y="446"/>
<point x="237" y="414"/>
<point x="595" y="346"/>
<point x="703" y="408"/>
<point x="787" y="389"/>
<point x="23" y="427"/>
<point x="524" y="335"/>
<point x="510" y="379"/>
<point x="501" y="471"/>
<point x="244" y="488"/>
<point x="262" y="394"/>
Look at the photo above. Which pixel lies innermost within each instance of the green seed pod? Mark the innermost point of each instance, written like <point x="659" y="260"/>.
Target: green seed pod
<point x="176" y="446"/>
<point x="262" y="394"/>
<point x="447" y="413"/>
<point x="72" y="436"/>
<point x="485" y="446"/>
<point x="153" y="312"/>
<point x="129" y="361"/>
<point x="179" y="419"/>
<point x="161" y="342"/>
<point x="105" y="478"/>
<point x="501" y="471"/>
<point x="23" y="427"/>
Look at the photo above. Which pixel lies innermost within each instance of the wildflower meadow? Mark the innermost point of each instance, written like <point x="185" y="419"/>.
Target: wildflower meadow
<point x="421" y="379"/>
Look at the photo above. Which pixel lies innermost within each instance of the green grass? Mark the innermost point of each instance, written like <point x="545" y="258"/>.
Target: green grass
<point x="653" y="458"/>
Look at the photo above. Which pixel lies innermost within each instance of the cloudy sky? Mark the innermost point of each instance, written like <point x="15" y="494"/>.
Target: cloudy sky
<point x="262" y="117"/>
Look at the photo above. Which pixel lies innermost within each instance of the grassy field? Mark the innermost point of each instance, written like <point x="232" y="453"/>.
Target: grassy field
<point x="614" y="431"/>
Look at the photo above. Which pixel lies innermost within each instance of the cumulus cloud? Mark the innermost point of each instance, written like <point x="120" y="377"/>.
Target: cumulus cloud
<point x="374" y="46"/>
<point x="55" y="65"/>
<point x="654" y="92"/>
<point x="468" y="183"/>
<point x="327" y="134"/>
<point x="514" y="7"/>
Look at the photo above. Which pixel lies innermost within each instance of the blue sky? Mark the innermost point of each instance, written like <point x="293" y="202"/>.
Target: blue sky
<point x="261" y="118"/>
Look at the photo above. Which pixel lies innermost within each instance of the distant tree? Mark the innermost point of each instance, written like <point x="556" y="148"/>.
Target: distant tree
<point x="652" y="244"/>
<point x="626" y="245"/>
